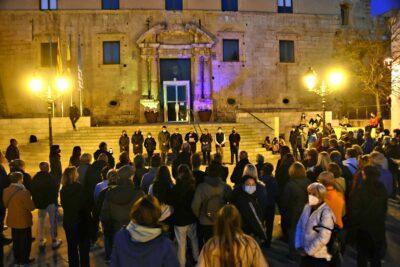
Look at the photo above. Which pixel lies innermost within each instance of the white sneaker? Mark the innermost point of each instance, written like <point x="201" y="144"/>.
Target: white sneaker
<point x="56" y="244"/>
<point x="42" y="243"/>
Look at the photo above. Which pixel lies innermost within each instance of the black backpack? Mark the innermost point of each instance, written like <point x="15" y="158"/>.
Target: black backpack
<point x="213" y="204"/>
<point x="336" y="242"/>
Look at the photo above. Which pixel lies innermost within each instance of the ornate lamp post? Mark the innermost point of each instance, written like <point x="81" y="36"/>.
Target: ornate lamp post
<point x="55" y="89"/>
<point x="334" y="78"/>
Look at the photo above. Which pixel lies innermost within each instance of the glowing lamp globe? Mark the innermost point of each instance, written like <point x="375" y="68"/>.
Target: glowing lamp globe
<point x="336" y="78"/>
<point x="62" y="84"/>
<point x="36" y="85"/>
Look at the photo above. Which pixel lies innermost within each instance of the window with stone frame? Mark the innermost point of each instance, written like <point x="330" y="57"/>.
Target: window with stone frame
<point x="285" y="6"/>
<point x="173" y="4"/>
<point x="230" y="50"/>
<point x="110" y="4"/>
<point x="111" y="52"/>
<point x="229" y="5"/>
<point x="344" y="14"/>
<point x="48" y="54"/>
<point x="286" y="51"/>
<point x="48" y="4"/>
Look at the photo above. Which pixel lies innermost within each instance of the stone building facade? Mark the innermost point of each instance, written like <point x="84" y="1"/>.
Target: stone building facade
<point x="171" y="58"/>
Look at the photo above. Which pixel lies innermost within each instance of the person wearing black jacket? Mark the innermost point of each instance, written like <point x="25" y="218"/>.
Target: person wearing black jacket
<point x="4" y="183"/>
<point x="18" y="165"/>
<point x="198" y="174"/>
<point x="206" y="140"/>
<point x="248" y="199"/>
<point x="183" y="158"/>
<point x="176" y="142"/>
<point x="45" y="196"/>
<point x="150" y="145"/>
<point x="183" y="217"/>
<point x="123" y="142"/>
<point x="75" y="159"/>
<point x="12" y="151"/>
<point x="223" y="170"/>
<point x="220" y="142"/>
<point x="367" y="215"/>
<point x="192" y="138"/>
<point x="55" y="163"/>
<point x="292" y="202"/>
<point x="103" y="150"/>
<point x="234" y="141"/>
<point x="237" y="173"/>
<point x="93" y="177"/>
<point x="137" y="142"/>
<point x="76" y="219"/>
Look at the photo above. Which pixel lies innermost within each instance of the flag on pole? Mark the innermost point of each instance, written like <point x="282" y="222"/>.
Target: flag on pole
<point x="80" y="74"/>
<point x="69" y="63"/>
<point x="59" y="57"/>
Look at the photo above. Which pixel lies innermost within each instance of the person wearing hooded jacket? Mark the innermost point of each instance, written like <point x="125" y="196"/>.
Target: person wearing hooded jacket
<point x="212" y="187"/>
<point x="116" y="206"/>
<point x="249" y="198"/>
<point x="141" y="242"/>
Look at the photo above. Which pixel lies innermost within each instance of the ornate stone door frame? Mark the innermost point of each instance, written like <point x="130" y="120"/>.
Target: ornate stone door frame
<point x="177" y="41"/>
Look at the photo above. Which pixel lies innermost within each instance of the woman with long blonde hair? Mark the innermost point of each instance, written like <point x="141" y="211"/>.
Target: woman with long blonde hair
<point x="230" y="246"/>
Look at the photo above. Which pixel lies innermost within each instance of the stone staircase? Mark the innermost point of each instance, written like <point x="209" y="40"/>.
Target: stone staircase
<point x="88" y="138"/>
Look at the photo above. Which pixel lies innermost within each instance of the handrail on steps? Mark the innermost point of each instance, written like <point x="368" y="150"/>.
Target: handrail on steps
<point x="191" y="112"/>
<point x="258" y="119"/>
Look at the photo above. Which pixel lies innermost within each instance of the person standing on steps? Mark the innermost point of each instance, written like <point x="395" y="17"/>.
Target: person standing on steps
<point x="176" y="142"/>
<point x="150" y="145"/>
<point x="163" y="142"/>
<point x="12" y="151"/>
<point x="234" y="140"/>
<point x="124" y="142"/>
<point x="220" y="142"/>
<point x="137" y="142"/>
<point x="74" y="115"/>
<point x="192" y="138"/>
<point x="206" y="140"/>
<point x="55" y="163"/>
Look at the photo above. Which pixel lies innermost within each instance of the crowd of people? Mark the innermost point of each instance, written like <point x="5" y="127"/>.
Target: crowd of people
<point x="330" y="194"/>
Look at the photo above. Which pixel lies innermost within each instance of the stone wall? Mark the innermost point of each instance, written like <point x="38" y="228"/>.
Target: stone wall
<point x="258" y="79"/>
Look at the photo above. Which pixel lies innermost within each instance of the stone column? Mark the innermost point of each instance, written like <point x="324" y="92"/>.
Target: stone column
<point x="197" y="78"/>
<point x="153" y="61"/>
<point x="207" y="77"/>
<point x="144" y="76"/>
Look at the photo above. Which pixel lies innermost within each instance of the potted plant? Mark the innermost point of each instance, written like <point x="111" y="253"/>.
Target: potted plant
<point x="204" y="110"/>
<point x="151" y="110"/>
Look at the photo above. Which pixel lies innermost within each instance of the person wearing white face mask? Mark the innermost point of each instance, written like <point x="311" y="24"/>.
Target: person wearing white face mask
<point x="250" y="199"/>
<point x="313" y="229"/>
<point x="220" y="142"/>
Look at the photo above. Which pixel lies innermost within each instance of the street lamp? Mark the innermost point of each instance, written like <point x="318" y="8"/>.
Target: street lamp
<point x="38" y="87"/>
<point x="334" y="79"/>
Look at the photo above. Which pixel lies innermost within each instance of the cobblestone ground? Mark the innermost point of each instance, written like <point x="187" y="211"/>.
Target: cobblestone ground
<point x="276" y="255"/>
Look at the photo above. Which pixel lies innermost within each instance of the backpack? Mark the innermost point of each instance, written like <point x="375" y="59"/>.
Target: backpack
<point x="336" y="242"/>
<point x="213" y="204"/>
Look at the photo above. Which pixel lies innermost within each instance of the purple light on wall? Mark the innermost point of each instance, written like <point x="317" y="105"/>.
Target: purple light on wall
<point x="202" y="76"/>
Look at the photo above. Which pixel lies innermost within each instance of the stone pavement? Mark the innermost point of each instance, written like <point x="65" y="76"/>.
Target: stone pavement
<point x="276" y="255"/>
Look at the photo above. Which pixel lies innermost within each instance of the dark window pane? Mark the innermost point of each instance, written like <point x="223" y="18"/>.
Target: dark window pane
<point x="48" y="54"/>
<point x="286" y="51"/>
<point x="171" y="93"/>
<point x="181" y="93"/>
<point x="173" y="5"/>
<point x="231" y="50"/>
<point x="229" y="5"/>
<point x="344" y="14"/>
<point x="285" y="6"/>
<point x="110" y="4"/>
<point x="111" y="53"/>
